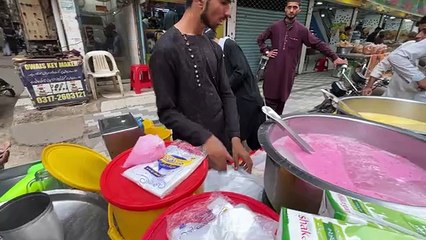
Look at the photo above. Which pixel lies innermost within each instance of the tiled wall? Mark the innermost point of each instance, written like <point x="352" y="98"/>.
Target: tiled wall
<point x="371" y="22"/>
<point x="343" y="16"/>
<point x="393" y="24"/>
<point x="406" y="26"/>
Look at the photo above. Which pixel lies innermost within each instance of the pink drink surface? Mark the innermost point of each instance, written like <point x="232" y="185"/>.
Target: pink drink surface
<point x="360" y="168"/>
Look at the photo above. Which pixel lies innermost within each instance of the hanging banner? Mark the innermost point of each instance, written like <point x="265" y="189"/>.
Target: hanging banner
<point x="55" y="82"/>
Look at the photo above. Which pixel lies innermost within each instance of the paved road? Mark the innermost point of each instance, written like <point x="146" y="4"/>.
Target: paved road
<point x="8" y="73"/>
<point x="7" y="104"/>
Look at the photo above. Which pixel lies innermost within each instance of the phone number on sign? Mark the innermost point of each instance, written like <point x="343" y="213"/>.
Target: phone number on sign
<point x="60" y="97"/>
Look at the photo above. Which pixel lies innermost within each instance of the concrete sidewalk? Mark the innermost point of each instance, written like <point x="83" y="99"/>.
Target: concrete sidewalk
<point x="33" y="129"/>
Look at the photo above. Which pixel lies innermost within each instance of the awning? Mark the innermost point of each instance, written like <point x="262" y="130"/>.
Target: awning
<point x="399" y="8"/>
<point x="351" y="3"/>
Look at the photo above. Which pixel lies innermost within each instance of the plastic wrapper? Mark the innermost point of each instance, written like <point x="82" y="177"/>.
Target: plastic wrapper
<point x="295" y="225"/>
<point x="164" y="175"/>
<point x="234" y="181"/>
<point x="240" y="181"/>
<point x="355" y="211"/>
<point x="148" y="148"/>
<point x="219" y="218"/>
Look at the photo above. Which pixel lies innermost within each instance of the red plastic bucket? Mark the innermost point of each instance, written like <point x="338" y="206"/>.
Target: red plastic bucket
<point x="158" y="229"/>
<point x="133" y="208"/>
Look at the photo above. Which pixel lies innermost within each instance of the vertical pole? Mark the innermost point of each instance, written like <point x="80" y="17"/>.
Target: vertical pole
<point x="231" y="24"/>
<point x="141" y="32"/>
<point x="307" y="24"/>
<point x="399" y="29"/>
<point x="59" y="26"/>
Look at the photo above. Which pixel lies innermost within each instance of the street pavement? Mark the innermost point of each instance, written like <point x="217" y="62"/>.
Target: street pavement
<point x="304" y="97"/>
<point x="7" y="73"/>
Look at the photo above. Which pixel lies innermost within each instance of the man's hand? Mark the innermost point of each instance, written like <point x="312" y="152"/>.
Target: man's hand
<point x="238" y="153"/>
<point x="422" y="84"/>
<point x="339" y="61"/>
<point x="272" y="54"/>
<point x="367" y="91"/>
<point x="217" y="154"/>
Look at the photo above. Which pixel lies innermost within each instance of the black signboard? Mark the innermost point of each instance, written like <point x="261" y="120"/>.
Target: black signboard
<point x="54" y="83"/>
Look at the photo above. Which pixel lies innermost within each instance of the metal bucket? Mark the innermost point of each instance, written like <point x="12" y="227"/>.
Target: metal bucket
<point x="384" y="105"/>
<point x="30" y="217"/>
<point x="288" y="184"/>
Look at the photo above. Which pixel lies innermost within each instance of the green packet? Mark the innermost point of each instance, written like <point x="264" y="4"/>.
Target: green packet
<point x="295" y="225"/>
<point x="351" y="210"/>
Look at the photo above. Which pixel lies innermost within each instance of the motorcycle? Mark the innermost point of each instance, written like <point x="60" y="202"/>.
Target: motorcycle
<point x="6" y="89"/>
<point x="261" y="68"/>
<point x="346" y="86"/>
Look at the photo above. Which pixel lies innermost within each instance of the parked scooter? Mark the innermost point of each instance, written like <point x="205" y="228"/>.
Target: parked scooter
<point x="6" y="89"/>
<point x="346" y="86"/>
<point x="261" y="68"/>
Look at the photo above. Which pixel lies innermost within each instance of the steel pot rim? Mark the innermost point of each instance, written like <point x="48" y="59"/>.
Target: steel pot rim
<point x="340" y="109"/>
<point x="42" y="214"/>
<point x="308" y="177"/>
<point x="383" y="98"/>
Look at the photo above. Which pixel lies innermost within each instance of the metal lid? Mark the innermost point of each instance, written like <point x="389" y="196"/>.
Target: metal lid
<point x="117" y="124"/>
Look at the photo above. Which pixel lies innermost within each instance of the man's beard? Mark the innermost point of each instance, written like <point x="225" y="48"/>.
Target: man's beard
<point x="290" y="18"/>
<point x="205" y="18"/>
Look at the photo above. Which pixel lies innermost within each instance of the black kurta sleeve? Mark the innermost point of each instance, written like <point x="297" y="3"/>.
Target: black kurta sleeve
<point x="164" y="77"/>
<point x="228" y="99"/>
<point x="236" y="60"/>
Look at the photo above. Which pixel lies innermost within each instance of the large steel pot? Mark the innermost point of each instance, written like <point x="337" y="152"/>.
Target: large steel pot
<point x="30" y="217"/>
<point x="384" y="105"/>
<point x="83" y="215"/>
<point x="288" y="184"/>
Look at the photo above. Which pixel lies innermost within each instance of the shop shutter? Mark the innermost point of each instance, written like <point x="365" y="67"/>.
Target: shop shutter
<point x="253" y="17"/>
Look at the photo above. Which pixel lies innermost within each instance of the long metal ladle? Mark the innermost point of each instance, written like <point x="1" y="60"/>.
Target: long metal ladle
<point x="338" y="101"/>
<point x="292" y="134"/>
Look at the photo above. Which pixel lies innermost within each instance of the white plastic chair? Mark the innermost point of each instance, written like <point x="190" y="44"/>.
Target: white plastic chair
<point x="101" y="69"/>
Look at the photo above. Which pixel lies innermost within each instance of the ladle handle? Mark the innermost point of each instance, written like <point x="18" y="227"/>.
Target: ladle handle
<point x="336" y="100"/>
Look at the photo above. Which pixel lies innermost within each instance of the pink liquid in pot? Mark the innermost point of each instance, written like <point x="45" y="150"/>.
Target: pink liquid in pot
<point x="360" y="168"/>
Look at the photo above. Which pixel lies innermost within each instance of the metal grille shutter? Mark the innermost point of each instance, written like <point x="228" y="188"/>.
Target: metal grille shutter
<point x="253" y="21"/>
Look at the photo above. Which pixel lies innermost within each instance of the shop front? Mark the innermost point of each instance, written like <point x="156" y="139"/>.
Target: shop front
<point x="155" y="17"/>
<point x="110" y="25"/>
<point x="365" y="22"/>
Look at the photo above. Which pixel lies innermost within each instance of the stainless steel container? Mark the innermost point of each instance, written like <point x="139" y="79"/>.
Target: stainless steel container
<point x="30" y="217"/>
<point x="120" y="133"/>
<point x="384" y="105"/>
<point x="288" y="184"/>
<point x="344" y="50"/>
<point x="83" y="214"/>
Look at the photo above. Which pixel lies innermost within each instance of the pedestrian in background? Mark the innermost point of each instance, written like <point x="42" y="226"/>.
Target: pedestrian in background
<point x="11" y="45"/>
<point x="287" y="37"/>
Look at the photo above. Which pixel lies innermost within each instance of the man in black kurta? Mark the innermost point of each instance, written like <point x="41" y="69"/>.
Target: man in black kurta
<point x="245" y="88"/>
<point x="193" y="95"/>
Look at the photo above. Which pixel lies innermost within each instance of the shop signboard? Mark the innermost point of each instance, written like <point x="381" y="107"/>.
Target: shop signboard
<point x="54" y="82"/>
